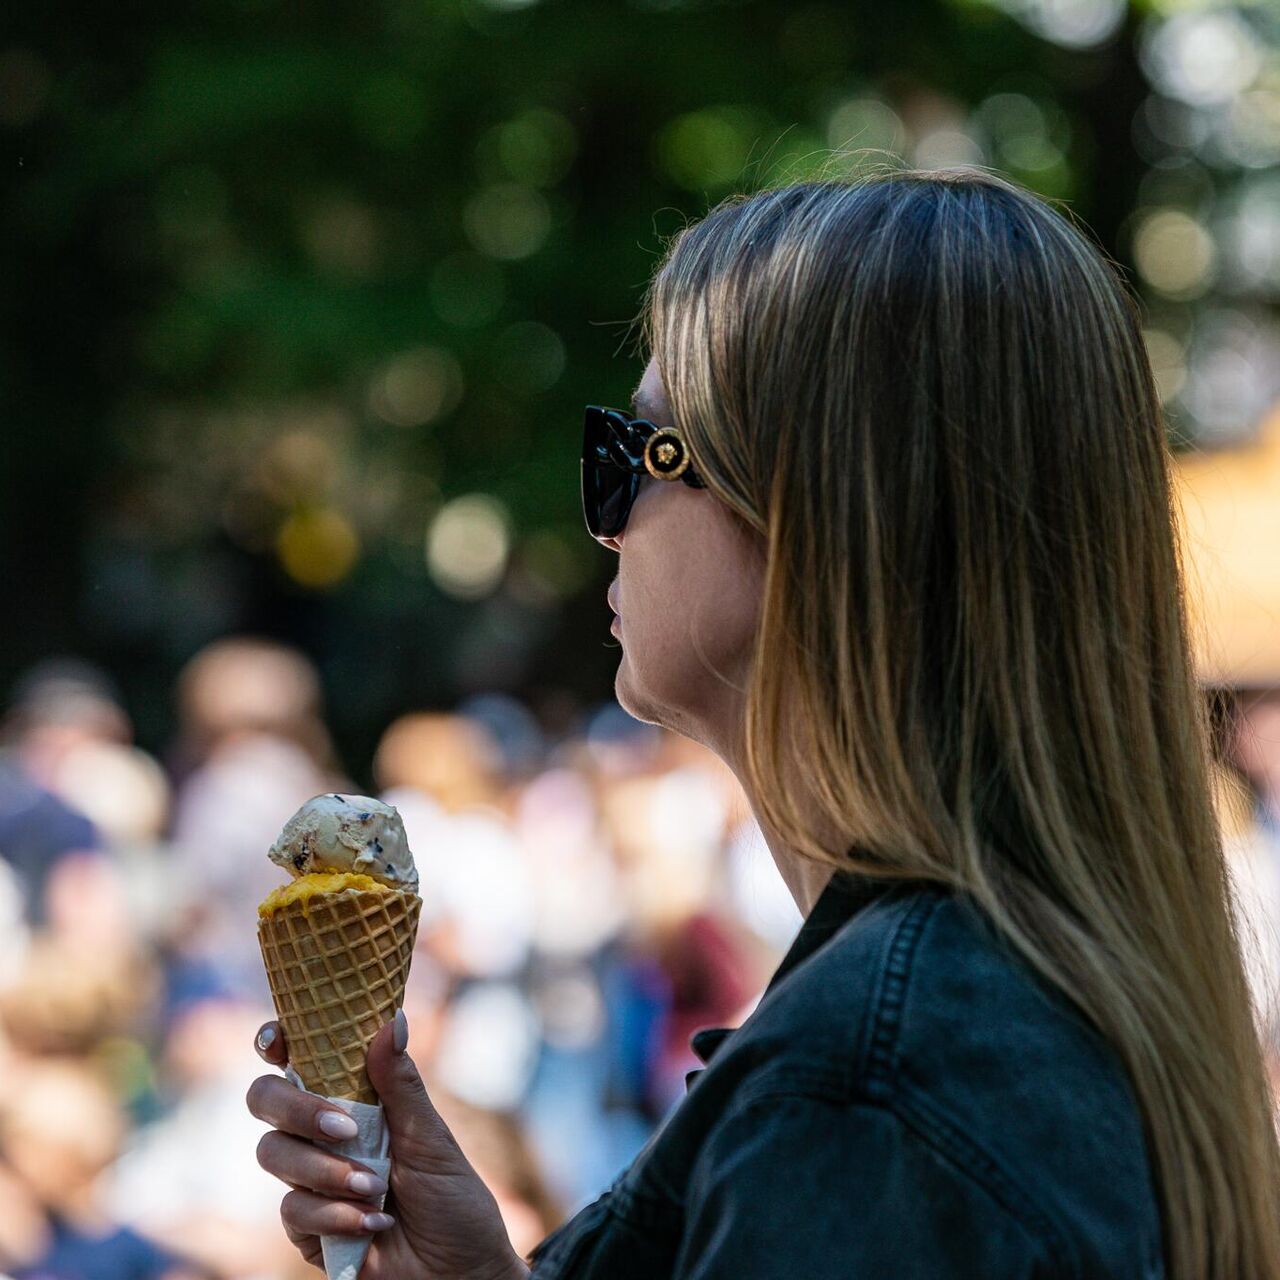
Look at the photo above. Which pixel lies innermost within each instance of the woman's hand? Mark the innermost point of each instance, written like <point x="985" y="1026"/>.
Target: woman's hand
<point x="446" y="1224"/>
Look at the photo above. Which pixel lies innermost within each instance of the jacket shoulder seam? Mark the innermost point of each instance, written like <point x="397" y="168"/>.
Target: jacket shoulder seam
<point x="1043" y="1238"/>
<point x="879" y="1053"/>
<point x="933" y="1125"/>
<point x="961" y="1155"/>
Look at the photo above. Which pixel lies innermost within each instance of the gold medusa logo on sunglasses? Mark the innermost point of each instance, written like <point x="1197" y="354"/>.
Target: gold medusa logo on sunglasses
<point x="665" y="455"/>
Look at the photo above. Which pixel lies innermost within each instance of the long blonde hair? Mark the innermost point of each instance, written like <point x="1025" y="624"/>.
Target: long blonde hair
<point x="928" y="394"/>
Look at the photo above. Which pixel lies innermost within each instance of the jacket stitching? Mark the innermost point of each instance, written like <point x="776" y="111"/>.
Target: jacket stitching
<point x="957" y="1151"/>
<point x="883" y="1083"/>
<point x="920" y="1113"/>
<point x="890" y="998"/>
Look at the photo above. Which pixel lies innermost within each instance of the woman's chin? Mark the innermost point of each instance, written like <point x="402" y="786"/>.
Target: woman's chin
<point x="626" y="695"/>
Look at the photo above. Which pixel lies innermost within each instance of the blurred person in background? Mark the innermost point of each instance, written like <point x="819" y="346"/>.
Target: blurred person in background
<point x="58" y="708"/>
<point x="251" y="745"/>
<point x="59" y="705"/>
<point x="444" y="773"/>
<point x="125" y="794"/>
<point x="60" y="1128"/>
<point x="895" y="540"/>
<point x="669" y="829"/>
<point x="1249" y="807"/>
<point x="582" y="1124"/>
<point x="241" y="686"/>
<point x="70" y="785"/>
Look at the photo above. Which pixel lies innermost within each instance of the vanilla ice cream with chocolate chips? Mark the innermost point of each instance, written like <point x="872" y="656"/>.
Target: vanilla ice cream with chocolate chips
<point x="337" y="841"/>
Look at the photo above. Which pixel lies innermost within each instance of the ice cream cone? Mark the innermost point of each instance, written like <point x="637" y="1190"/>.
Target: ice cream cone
<point x="337" y="964"/>
<point x="337" y="942"/>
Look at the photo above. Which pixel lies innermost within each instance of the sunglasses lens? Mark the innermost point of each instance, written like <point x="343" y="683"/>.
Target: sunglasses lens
<point x="607" y="495"/>
<point x="607" y="490"/>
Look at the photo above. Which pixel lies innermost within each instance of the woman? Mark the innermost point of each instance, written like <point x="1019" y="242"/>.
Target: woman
<point x="902" y="554"/>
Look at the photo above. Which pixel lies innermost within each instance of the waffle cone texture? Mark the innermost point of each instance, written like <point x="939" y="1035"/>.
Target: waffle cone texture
<point x="337" y="965"/>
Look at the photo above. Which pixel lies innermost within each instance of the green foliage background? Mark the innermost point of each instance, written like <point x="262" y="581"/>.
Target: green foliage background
<point x="222" y="221"/>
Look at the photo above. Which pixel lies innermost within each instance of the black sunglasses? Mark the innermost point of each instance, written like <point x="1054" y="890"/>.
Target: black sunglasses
<point x="618" y="451"/>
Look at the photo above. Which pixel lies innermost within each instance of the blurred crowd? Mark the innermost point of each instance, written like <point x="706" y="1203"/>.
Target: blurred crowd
<point x="590" y="899"/>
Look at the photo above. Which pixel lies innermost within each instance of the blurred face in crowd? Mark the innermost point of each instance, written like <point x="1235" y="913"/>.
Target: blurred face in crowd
<point x="688" y="595"/>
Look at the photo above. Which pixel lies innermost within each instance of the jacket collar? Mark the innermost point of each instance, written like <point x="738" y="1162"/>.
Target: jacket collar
<point x="845" y="895"/>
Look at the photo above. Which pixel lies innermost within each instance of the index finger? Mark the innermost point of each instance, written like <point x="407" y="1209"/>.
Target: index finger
<point x="269" y="1044"/>
<point x="291" y="1110"/>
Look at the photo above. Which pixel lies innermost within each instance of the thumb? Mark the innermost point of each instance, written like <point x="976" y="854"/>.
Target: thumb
<point x="419" y="1137"/>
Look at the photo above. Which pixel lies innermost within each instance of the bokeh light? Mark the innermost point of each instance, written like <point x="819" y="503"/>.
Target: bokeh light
<point x="1202" y="58"/>
<point x="507" y="220"/>
<point x="298" y="466"/>
<point x="417" y="387"/>
<point x="318" y="547"/>
<point x="1163" y="125"/>
<point x="1251" y="236"/>
<point x="1251" y="136"/>
<point x="947" y="148"/>
<point x="467" y="546"/>
<point x="708" y="149"/>
<point x="1168" y="362"/>
<point x="1175" y="253"/>
<point x="1233" y="372"/>
<point x="1074" y="24"/>
<point x="1177" y="181"/>
<point x="865" y="123"/>
<point x="1027" y="138"/>
<point x="535" y="147"/>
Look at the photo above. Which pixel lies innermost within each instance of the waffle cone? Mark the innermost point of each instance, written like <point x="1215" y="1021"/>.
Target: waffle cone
<point x="337" y="965"/>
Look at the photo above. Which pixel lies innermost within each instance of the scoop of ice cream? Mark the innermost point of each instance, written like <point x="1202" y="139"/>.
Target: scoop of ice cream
<point x="347" y="833"/>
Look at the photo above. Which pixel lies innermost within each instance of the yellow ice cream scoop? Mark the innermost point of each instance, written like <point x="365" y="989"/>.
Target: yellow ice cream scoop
<point x="304" y="888"/>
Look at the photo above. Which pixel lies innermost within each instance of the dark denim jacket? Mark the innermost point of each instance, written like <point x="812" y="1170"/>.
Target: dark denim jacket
<point x="907" y="1100"/>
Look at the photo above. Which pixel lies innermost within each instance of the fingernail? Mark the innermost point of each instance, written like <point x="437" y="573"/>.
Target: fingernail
<point x="266" y="1038"/>
<point x="366" y="1184"/>
<point x="400" y="1032"/>
<point x="377" y="1221"/>
<point x="336" y="1125"/>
